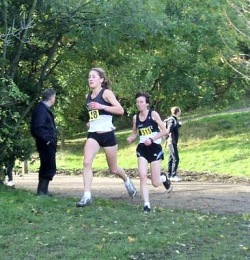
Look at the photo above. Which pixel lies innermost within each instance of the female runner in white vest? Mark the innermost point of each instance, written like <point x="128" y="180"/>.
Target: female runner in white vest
<point x="102" y="104"/>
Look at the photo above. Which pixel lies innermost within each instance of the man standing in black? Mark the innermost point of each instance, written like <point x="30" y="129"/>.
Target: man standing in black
<point x="43" y="129"/>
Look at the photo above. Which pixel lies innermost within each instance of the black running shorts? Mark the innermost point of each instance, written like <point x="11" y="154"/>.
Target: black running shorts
<point x="151" y="153"/>
<point x="104" y="139"/>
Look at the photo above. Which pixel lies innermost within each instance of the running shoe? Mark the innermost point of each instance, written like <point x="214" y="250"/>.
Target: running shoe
<point x="9" y="183"/>
<point x="84" y="202"/>
<point x="167" y="184"/>
<point x="131" y="189"/>
<point x="146" y="209"/>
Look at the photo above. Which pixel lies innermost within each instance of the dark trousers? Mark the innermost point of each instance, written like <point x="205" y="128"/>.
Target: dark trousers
<point x="9" y="172"/>
<point x="47" y="154"/>
<point x="173" y="160"/>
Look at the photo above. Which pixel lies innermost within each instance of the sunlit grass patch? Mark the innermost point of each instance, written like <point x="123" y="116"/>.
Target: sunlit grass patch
<point x="226" y="155"/>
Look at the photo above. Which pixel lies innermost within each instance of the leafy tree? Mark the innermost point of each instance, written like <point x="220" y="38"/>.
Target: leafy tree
<point x="182" y="64"/>
<point x="237" y="14"/>
<point x="50" y="43"/>
<point x="13" y="145"/>
<point x="177" y="59"/>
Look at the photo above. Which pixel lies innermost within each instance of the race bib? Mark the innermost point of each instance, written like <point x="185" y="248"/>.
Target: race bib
<point x="93" y="115"/>
<point x="145" y="131"/>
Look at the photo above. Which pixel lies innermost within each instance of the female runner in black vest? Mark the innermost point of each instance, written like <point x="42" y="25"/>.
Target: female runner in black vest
<point x="102" y="104"/>
<point x="150" y="128"/>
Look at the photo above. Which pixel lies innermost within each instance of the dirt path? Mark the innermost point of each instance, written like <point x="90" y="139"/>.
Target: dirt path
<point x="193" y="195"/>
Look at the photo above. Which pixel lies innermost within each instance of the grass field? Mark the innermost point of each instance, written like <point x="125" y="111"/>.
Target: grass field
<point x="53" y="228"/>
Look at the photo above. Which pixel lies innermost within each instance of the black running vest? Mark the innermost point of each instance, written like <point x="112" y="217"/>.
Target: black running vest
<point x="99" y="99"/>
<point x="148" y="126"/>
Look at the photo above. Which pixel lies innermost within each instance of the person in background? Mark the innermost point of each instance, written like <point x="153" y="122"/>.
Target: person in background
<point x="43" y="129"/>
<point x="150" y="128"/>
<point x="9" y="173"/>
<point x="102" y="105"/>
<point x="173" y="125"/>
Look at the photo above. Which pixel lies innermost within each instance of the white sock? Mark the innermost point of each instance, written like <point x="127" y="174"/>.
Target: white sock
<point x="147" y="204"/>
<point x="87" y="195"/>
<point x="163" y="178"/>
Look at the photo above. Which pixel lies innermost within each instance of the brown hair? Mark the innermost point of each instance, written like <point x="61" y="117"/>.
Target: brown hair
<point x="102" y="74"/>
<point x="146" y="95"/>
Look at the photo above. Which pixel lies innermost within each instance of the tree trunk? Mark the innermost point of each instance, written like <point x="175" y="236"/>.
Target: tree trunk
<point x="62" y="139"/>
<point x="25" y="168"/>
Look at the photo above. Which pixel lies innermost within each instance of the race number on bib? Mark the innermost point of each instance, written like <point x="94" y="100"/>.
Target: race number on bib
<point x="145" y="131"/>
<point x="93" y="115"/>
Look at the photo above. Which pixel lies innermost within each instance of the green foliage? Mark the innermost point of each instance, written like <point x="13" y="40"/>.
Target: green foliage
<point x="37" y="55"/>
<point x="13" y="143"/>
<point x="114" y="230"/>
<point x="173" y="52"/>
<point x="187" y="69"/>
<point x="237" y="18"/>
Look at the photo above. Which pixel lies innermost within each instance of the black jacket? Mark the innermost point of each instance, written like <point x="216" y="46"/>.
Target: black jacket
<point x="173" y="126"/>
<point x="42" y="126"/>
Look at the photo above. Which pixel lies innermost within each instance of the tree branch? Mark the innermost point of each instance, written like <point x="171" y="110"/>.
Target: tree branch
<point x="23" y="38"/>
